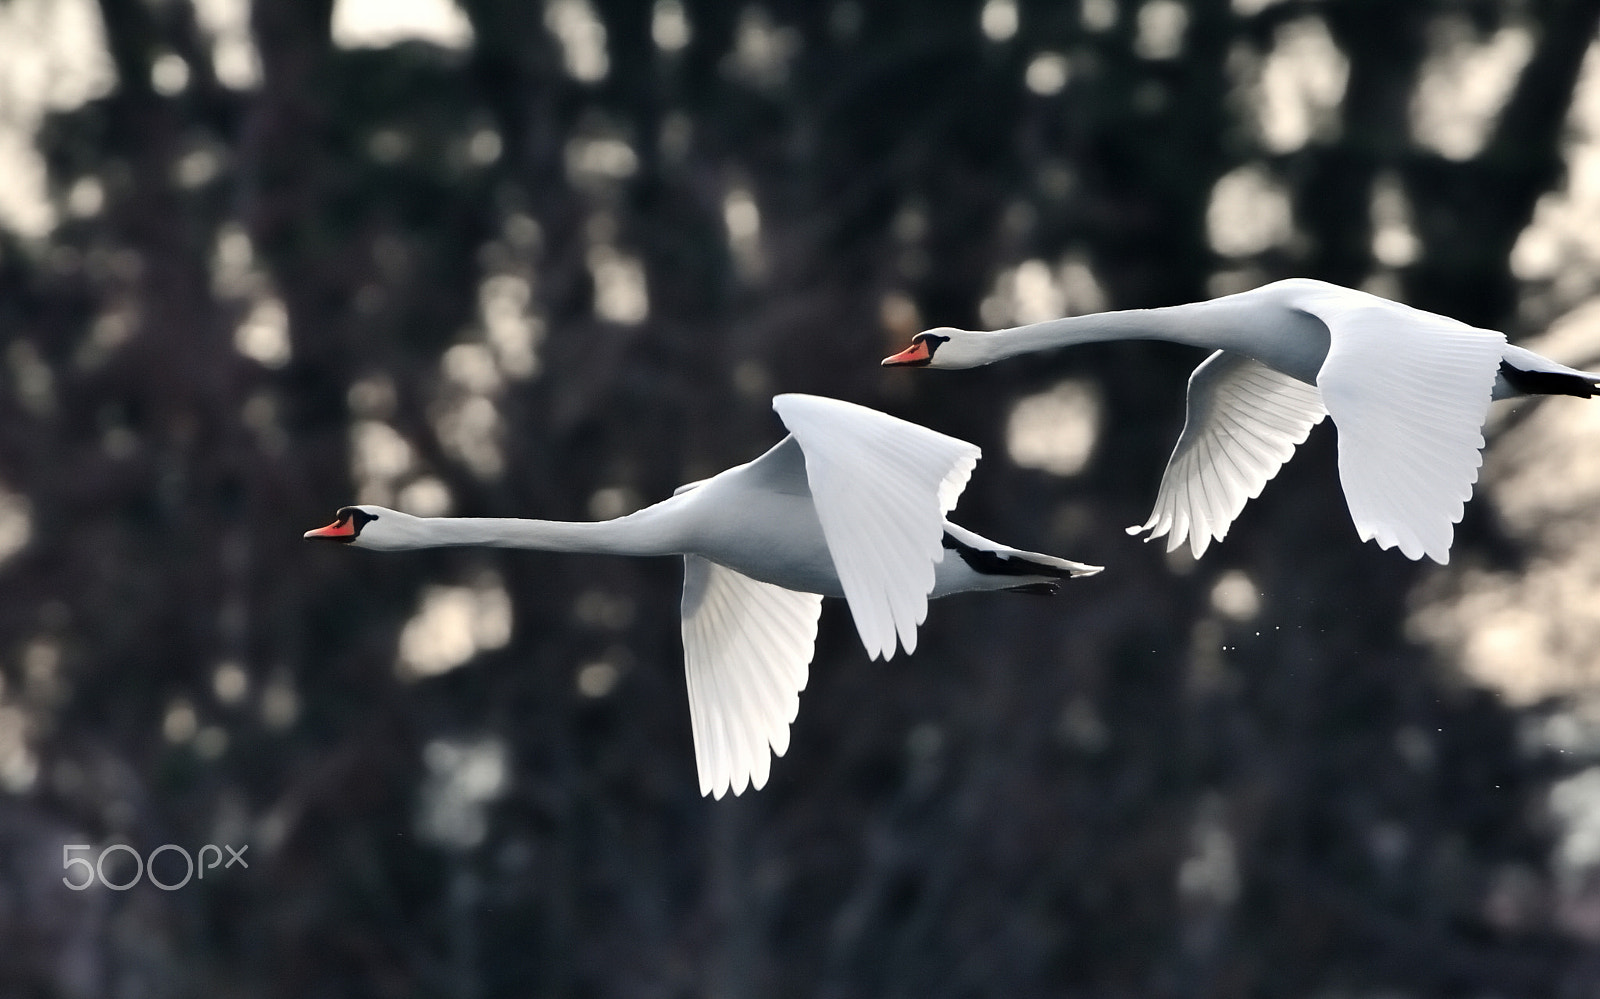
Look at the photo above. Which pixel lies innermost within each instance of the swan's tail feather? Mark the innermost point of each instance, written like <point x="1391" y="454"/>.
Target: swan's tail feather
<point x="1528" y="373"/>
<point x="1001" y="561"/>
<point x="1583" y="384"/>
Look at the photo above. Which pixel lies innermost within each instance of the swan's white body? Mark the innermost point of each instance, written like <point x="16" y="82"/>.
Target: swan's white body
<point x="1408" y="390"/>
<point x="851" y="504"/>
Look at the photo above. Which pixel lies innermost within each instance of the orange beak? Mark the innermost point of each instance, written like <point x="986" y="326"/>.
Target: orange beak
<point x="342" y="529"/>
<point x="913" y="356"/>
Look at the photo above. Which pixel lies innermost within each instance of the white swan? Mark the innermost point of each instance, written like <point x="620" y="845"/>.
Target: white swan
<point x="1408" y="391"/>
<point x="850" y="504"/>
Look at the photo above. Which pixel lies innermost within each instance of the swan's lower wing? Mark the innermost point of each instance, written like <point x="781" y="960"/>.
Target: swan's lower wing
<point x="881" y="487"/>
<point x="747" y="647"/>
<point x="1409" y="392"/>
<point x="1244" y="421"/>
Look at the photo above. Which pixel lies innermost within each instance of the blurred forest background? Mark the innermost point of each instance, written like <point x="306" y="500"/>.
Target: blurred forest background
<point x="551" y="259"/>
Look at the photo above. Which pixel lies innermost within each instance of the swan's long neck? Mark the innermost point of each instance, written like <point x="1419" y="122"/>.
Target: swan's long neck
<point x="1200" y="324"/>
<point x="651" y="531"/>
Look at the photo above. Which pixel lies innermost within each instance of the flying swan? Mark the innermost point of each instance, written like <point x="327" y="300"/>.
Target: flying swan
<point x="850" y="504"/>
<point x="1408" y="391"/>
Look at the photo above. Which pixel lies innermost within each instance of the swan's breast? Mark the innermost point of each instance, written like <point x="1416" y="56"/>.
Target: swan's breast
<point x="772" y="536"/>
<point x="1270" y="327"/>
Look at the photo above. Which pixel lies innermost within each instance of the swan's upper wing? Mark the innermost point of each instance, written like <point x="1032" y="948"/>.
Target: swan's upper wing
<point x="881" y="487"/>
<point x="746" y="649"/>
<point x="1244" y="421"/>
<point x="1409" y="391"/>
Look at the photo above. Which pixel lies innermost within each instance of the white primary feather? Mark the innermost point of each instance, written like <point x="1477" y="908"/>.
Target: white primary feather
<point x="747" y="646"/>
<point x="881" y="487"/>
<point x="1409" y="392"/>
<point x="1244" y="421"/>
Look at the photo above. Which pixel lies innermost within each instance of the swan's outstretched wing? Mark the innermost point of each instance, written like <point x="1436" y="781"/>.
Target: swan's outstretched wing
<point x="881" y="487"/>
<point x="1244" y="421"/>
<point x="746" y="650"/>
<point x="1409" y="392"/>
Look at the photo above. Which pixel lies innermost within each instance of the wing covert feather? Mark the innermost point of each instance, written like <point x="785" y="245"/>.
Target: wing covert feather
<point x="1409" y="392"/>
<point x="881" y="487"/>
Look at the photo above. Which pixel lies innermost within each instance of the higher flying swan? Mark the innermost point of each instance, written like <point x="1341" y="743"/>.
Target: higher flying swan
<point x="1408" y="391"/>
